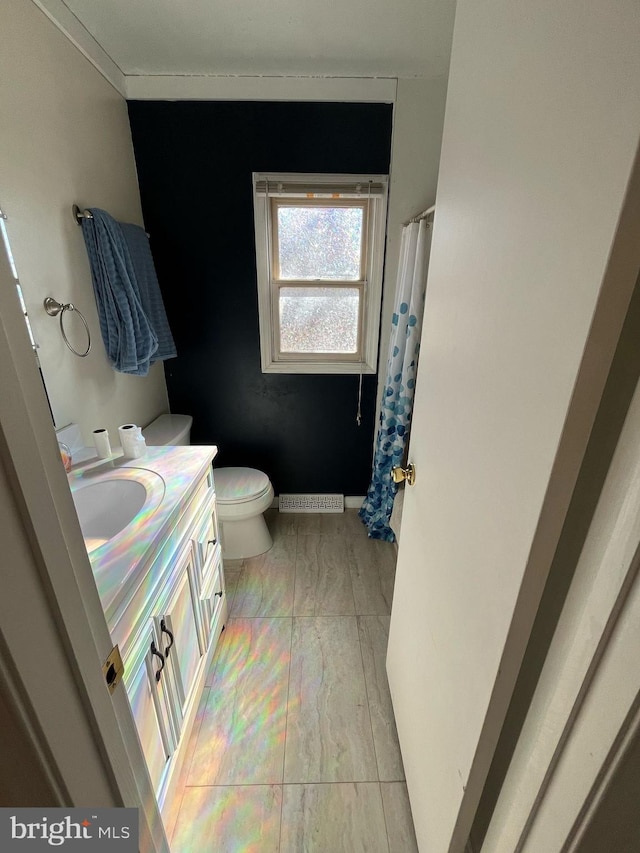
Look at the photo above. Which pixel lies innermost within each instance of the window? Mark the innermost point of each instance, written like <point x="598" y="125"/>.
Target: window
<point x="319" y="251"/>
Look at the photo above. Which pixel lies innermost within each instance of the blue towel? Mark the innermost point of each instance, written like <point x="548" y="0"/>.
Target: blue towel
<point x="129" y="337"/>
<point x="149" y="289"/>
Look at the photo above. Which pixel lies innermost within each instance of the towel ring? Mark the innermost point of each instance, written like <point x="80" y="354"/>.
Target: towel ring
<point x="54" y="308"/>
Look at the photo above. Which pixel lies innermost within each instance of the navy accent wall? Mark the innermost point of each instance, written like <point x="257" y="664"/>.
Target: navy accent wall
<point x="195" y="161"/>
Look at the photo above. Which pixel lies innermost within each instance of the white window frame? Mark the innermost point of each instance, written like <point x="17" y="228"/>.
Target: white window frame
<point x="371" y="192"/>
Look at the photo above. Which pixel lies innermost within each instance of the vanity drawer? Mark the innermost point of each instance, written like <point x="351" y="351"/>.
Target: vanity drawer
<point x="207" y="539"/>
<point x="212" y="596"/>
<point x="204" y="489"/>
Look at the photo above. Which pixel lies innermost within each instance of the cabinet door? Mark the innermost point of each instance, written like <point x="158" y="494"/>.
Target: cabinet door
<point x="145" y="683"/>
<point x="179" y="628"/>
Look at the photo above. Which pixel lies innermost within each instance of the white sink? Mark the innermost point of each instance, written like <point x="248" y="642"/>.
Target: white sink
<point x="107" y="505"/>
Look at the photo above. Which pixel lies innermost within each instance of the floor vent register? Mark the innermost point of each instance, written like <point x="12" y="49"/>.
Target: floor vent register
<point x="311" y="503"/>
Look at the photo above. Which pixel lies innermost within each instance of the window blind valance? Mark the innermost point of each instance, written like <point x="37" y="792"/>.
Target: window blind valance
<point x="320" y="186"/>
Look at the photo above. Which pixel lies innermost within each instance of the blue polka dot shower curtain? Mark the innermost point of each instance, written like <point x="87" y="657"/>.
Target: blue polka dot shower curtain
<point x="397" y="398"/>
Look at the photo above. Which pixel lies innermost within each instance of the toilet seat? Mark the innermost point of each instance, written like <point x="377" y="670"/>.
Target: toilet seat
<point x="240" y="485"/>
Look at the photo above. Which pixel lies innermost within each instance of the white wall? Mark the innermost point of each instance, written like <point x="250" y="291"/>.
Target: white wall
<point x="65" y="138"/>
<point x="417" y="136"/>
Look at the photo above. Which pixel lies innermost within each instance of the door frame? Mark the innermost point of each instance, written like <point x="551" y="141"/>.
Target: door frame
<point x="585" y="713"/>
<point x="59" y="659"/>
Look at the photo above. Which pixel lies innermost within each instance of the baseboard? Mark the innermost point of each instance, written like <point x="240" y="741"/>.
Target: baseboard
<point x="350" y="502"/>
<point x="353" y="501"/>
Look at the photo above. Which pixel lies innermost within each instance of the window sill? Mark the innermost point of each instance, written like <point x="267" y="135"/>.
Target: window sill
<point x="317" y="367"/>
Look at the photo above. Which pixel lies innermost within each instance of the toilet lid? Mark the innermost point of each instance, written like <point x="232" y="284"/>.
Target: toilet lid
<point x="237" y="485"/>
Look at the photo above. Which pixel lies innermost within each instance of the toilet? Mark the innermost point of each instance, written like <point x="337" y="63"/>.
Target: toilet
<point x="242" y="494"/>
<point x="174" y="430"/>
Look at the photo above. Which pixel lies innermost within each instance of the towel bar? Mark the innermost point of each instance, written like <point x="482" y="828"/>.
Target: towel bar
<point x="79" y="215"/>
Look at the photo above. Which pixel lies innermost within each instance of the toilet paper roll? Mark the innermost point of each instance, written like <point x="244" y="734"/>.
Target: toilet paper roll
<point x="101" y="443"/>
<point x="128" y="439"/>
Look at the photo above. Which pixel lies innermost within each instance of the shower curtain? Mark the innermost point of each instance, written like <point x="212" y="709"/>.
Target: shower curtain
<point x="397" y="399"/>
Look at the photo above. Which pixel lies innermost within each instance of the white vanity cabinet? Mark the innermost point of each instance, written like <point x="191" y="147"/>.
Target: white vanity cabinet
<point x="167" y="620"/>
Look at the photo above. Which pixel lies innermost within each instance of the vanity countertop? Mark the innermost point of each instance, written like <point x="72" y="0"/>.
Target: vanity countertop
<point x="118" y="562"/>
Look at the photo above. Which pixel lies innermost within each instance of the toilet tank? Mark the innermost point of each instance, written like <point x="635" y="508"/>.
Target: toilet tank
<point x="168" y="429"/>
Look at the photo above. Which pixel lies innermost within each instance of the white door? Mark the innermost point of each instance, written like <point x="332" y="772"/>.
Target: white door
<point x="525" y="299"/>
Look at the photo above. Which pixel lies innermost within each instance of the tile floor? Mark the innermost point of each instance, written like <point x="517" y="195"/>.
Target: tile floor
<point x="294" y="748"/>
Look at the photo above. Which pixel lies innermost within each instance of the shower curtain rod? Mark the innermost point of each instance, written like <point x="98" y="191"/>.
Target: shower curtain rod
<point x="422" y="215"/>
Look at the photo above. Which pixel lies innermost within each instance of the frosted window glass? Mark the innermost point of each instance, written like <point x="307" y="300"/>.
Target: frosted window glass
<point x="319" y="319"/>
<point x="320" y="243"/>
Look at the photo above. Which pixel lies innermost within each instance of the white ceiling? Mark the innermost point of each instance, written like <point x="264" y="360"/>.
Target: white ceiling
<point x="345" y="38"/>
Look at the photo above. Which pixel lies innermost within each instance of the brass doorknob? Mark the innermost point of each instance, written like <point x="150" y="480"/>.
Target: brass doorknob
<point x="399" y="474"/>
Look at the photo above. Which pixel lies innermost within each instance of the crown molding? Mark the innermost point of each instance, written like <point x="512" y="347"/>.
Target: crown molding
<point x="258" y="88"/>
<point x="63" y="18"/>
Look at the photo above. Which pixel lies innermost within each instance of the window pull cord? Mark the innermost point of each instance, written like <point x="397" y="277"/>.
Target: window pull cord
<point x="359" y="412"/>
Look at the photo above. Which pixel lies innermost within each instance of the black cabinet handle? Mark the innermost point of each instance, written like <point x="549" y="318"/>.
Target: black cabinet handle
<point x="155" y="652"/>
<point x="165" y="630"/>
<point x="221" y="593"/>
<point x="212" y="541"/>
